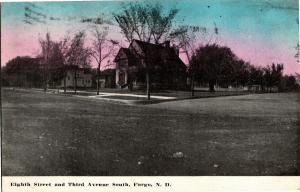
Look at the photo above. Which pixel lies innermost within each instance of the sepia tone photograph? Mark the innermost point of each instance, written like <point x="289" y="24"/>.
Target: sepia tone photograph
<point x="150" y="88"/>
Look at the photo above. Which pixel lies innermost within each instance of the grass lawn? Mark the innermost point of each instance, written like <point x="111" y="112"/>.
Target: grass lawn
<point x="48" y="134"/>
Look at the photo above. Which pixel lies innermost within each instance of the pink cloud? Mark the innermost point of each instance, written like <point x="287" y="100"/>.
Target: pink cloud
<point x="23" y="40"/>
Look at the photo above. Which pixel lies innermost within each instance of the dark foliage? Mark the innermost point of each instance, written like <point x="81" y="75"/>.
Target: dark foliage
<point x="22" y="72"/>
<point x="213" y="64"/>
<point x="288" y="83"/>
<point x="217" y="65"/>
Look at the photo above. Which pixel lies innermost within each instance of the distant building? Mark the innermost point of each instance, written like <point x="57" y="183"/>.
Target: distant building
<point x="83" y="77"/>
<point x="166" y="69"/>
<point x="254" y="88"/>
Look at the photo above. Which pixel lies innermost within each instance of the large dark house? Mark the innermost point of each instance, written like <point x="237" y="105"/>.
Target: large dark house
<point x="165" y="68"/>
<point x="107" y="78"/>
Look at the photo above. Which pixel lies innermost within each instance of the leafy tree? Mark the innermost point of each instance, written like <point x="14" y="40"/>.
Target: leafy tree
<point x="256" y="76"/>
<point x="23" y="72"/>
<point x="273" y="75"/>
<point x="288" y="83"/>
<point x="214" y="64"/>
<point x="241" y="73"/>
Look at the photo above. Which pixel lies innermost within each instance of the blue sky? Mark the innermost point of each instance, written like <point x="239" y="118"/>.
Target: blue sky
<point x="259" y="31"/>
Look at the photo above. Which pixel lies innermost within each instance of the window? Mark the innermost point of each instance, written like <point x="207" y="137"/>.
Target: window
<point x="68" y="77"/>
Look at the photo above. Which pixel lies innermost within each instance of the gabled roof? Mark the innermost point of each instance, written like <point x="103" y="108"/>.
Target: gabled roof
<point x="158" y="51"/>
<point x="129" y="55"/>
<point x="145" y="46"/>
<point x="77" y="68"/>
<point x="71" y="67"/>
<point x="109" y="72"/>
<point x="159" y="54"/>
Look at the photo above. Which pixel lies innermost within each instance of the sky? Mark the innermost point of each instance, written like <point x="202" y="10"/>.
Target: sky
<point x="261" y="32"/>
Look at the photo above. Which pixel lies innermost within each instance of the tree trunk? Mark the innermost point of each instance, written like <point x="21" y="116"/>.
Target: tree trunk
<point x="211" y="86"/>
<point x="98" y="80"/>
<point x="45" y="87"/>
<point x="45" y="81"/>
<point x="192" y="86"/>
<point x="65" y="84"/>
<point x="75" y="83"/>
<point x="191" y="71"/>
<point x="148" y="84"/>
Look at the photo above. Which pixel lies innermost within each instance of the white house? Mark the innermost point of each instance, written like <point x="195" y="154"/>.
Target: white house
<point x="83" y="78"/>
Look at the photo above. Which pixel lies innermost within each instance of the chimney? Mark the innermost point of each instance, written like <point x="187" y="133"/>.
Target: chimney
<point x="176" y="49"/>
<point x="167" y="44"/>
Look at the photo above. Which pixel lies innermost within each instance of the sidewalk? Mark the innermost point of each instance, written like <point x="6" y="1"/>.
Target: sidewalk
<point x="136" y="97"/>
<point x="125" y="98"/>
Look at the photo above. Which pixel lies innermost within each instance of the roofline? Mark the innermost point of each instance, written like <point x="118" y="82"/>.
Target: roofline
<point x="118" y="53"/>
<point x="151" y="44"/>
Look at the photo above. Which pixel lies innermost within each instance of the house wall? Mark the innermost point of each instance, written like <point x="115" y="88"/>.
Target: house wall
<point x="121" y="77"/>
<point x="121" y="72"/>
<point x="117" y="76"/>
<point x="108" y="81"/>
<point x="83" y="80"/>
<point x="102" y="82"/>
<point x="171" y="76"/>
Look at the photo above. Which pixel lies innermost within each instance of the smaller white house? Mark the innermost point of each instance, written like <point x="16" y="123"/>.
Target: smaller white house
<point x="83" y="78"/>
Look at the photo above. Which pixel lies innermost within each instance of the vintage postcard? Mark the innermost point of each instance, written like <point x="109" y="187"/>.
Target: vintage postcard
<point x="179" y="95"/>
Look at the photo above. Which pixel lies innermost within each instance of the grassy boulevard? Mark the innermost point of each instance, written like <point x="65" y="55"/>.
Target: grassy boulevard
<point x="51" y="134"/>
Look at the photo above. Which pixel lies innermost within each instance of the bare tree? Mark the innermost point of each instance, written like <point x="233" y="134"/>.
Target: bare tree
<point x="53" y="58"/>
<point x="64" y="48"/>
<point x="46" y="45"/>
<point x="297" y="48"/>
<point x="102" y="49"/>
<point x="297" y="52"/>
<point x="146" y="22"/>
<point x="188" y="38"/>
<point x="56" y="64"/>
<point x="78" y="55"/>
